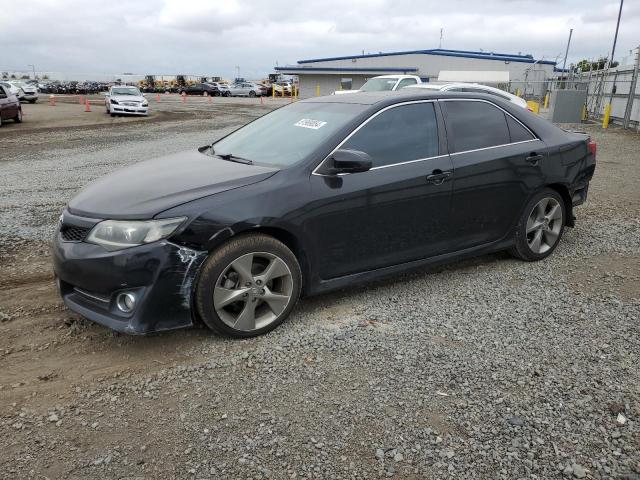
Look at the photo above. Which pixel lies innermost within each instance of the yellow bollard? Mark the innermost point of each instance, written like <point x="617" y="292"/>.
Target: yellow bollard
<point x="584" y="112"/>
<point x="317" y="90"/>
<point x="517" y="92"/>
<point x="533" y="106"/>
<point x="607" y="115"/>
<point x="273" y="90"/>
<point x="546" y="100"/>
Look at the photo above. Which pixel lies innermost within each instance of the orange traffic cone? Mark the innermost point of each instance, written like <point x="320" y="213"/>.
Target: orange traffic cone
<point x="184" y="97"/>
<point x="208" y="98"/>
<point x="81" y="100"/>
<point x="87" y="106"/>
<point x="158" y="97"/>
<point x="52" y="100"/>
<point x="261" y="100"/>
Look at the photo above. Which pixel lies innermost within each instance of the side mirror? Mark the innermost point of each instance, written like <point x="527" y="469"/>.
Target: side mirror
<point x="349" y="161"/>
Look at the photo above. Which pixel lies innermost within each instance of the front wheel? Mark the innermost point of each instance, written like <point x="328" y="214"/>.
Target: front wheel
<point x="252" y="93"/>
<point x="18" y="117"/>
<point x="540" y="227"/>
<point x="248" y="286"/>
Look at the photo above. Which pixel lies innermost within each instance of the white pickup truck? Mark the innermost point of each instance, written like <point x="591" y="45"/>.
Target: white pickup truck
<point x="385" y="83"/>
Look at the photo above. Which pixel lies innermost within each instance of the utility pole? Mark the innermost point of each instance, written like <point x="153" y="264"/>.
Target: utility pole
<point x="566" y="52"/>
<point x="632" y="92"/>
<point x="440" y="45"/>
<point x="34" y="70"/>
<point x="610" y="63"/>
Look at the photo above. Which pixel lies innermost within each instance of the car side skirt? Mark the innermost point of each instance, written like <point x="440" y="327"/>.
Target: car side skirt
<point x="371" y="275"/>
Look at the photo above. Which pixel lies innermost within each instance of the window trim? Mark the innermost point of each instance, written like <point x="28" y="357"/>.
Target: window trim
<point x="389" y="107"/>
<point x="535" y="137"/>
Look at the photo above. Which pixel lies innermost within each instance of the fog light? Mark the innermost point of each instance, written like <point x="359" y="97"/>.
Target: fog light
<point x="126" y="302"/>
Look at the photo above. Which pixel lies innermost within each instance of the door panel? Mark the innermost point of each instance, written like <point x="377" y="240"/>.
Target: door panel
<point x="380" y="218"/>
<point x="493" y="177"/>
<point x="490" y="188"/>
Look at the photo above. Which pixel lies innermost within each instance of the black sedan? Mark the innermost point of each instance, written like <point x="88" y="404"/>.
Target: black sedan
<point x="200" y="89"/>
<point x="316" y="195"/>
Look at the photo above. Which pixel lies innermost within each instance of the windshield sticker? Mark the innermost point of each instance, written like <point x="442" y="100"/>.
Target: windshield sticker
<point x="309" y="123"/>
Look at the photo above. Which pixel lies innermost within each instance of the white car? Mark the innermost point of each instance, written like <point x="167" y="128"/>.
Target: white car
<point x="384" y="83"/>
<point x="473" y="88"/>
<point x="126" y="100"/>
<point x="26" y="91"/>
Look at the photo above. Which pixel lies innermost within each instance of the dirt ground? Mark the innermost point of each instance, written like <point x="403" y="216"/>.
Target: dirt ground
<point x="80" y="401"/>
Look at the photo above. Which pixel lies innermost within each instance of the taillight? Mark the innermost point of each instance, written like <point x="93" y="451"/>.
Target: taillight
<point x="593" y="148"/>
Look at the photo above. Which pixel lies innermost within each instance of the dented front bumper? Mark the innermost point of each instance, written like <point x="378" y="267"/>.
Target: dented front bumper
<point x="161" y="275"/>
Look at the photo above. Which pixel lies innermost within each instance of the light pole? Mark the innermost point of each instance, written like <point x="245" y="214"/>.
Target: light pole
<point x="34" y="70"/>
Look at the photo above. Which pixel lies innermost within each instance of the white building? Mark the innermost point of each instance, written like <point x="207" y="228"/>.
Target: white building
<point x="350" y="72"/>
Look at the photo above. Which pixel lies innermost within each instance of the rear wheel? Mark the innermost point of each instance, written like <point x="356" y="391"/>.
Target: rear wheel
<point x="252" y="93"/>
<point x="18" y="117"/>
<point x="248" y="286"/>
<point x="540" y="227"/>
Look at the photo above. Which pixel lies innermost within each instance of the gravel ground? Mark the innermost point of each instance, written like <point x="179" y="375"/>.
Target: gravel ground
<point x="487" y="368"/>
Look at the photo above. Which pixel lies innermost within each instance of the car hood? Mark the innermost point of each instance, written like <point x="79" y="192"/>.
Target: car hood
<point x="342" y="92"/>
<point x="145" y="189"/>
<point x="128" y="98"/>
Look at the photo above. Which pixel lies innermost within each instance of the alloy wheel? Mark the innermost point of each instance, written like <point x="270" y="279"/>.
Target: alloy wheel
<point x="253" y="291"/>
<point x="544" y="225"/>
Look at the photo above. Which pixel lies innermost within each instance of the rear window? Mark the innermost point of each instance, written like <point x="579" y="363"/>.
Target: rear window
<point x="475" y="125"/>
<point x="517" y="132"/>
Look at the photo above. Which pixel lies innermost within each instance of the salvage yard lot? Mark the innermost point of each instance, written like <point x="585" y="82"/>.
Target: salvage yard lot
<point x="486" y="368"/>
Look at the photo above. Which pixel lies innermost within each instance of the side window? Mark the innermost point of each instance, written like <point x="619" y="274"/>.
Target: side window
<point x="346" y="83"/>
<point x="406" y="82"/>
<point x="517" y="131"/>
<point x="3" y="94"/>
<point x="475" y="125"/>
<point x="400" y="134"/>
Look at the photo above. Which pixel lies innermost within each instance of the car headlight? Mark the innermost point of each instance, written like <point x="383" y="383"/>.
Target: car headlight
<point x="114" y="102"/>
<point x="119" y="234"/>
<point x="145" y="104"/>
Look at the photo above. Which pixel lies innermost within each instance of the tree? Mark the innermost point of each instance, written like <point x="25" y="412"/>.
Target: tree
<point x="25" y="77"/>
<point x="45" y="77"/>
<point x="588" y="65"/>
<point x="13" y="76"/>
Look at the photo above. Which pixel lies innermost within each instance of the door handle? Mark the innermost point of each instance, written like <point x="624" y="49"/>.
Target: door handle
<point x="534" y="158"/>
<point x="438" y="177"/>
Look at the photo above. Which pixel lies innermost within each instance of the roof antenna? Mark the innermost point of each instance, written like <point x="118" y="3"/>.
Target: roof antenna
<point x="440" y="45"/>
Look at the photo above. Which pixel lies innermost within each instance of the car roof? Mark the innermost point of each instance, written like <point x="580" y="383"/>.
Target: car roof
<point x="403" y="95"/>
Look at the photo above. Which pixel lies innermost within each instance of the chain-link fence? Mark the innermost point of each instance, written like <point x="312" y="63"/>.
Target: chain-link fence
<point x="610" y="92"/>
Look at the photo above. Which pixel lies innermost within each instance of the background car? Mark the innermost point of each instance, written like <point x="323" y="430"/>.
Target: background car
<point x="11" y="88"/>
<point x="126" y="100"/>
<point x="200" y="89"/>
<point x="384" y="83"/>
<point x="10" y="108"/>
<point x="282" y="88"/>
<point x="472" y="88"/>
<point x="245" y="89"/>
<point x="26" y="92"/>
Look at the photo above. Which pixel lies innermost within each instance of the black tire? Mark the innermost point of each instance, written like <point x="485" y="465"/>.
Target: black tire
<point x="252" y="93"/>
<point x="33" y="101"/>
<point x="522" y="248"/>
<point x="113" y="114"/>
<point x="219" y="261"/>
<point x="18" y="117"/>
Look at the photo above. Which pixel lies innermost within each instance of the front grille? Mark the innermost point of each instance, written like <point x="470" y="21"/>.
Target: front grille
<point x="71" y="233"/>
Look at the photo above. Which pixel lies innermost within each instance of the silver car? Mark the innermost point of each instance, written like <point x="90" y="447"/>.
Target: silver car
<point x="245" y="89"/>
<point x="125" y="100"/>
<point x="26" y="91"/>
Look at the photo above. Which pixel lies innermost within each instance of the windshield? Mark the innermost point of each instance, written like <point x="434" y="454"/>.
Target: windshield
<point x="125" y="91"/>
<point x="289" y="134"/>
<point x="379" y="85"/>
